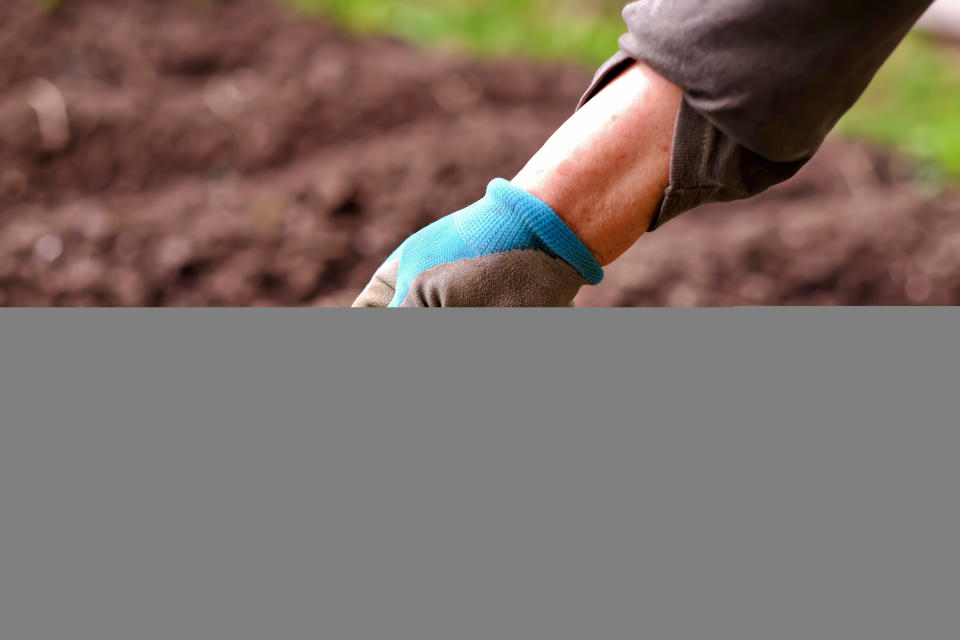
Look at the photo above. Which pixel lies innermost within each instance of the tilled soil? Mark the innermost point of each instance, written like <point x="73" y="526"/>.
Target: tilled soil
<point x="186" y="153"/>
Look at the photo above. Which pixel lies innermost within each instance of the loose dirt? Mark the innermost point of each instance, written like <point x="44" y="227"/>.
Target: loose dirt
<point x="187" y="153"/>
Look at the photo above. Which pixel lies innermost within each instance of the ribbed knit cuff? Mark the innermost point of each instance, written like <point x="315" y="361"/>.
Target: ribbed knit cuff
<point x="537" y="216"/>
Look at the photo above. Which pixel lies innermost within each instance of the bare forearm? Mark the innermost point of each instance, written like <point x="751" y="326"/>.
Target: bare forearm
<point x="604" y="171"/>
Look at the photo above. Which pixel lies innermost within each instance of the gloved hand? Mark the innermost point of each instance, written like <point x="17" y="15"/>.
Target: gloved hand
<point x="508" y="250"/>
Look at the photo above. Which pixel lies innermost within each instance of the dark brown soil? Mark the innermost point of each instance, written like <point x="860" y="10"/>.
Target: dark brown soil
<point x="232" y="153"/>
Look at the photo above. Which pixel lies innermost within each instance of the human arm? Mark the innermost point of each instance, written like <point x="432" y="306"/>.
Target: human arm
<point x="705" y="102"/>
<point x="586" y="186"/>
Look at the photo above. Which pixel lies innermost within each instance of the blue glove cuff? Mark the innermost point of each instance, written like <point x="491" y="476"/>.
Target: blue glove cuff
<point x="504" y="201"/>
<point x="506" y="219"/>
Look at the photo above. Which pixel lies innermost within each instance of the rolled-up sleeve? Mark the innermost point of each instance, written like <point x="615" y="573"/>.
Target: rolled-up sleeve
<point x="764" y="82"/>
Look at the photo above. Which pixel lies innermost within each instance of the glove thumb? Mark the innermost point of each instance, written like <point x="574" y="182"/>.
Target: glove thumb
<point x="381" y="288"/>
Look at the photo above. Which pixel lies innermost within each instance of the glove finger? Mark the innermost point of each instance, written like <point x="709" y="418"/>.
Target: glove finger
<point x="523" y="278"/>
<point x="381" y="288"/>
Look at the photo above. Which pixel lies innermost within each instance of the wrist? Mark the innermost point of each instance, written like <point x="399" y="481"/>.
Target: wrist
<point x="605" y="170"/>
<point x="550" y="231"/>
<point x="589" y="222"/>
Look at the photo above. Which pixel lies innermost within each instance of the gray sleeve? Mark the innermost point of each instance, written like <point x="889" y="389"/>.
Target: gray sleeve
<point x="764" y="81"/>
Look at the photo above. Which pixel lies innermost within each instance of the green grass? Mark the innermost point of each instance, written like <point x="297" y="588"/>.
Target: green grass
<point x="542" y="29"/>
<point x="914" y="105"/>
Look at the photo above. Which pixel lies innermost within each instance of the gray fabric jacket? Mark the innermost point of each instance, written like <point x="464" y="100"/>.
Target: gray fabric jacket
<point x="764" y="82"/>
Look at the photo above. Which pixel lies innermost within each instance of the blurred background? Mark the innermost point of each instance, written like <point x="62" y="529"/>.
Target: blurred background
<point x="274" y="152"/>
